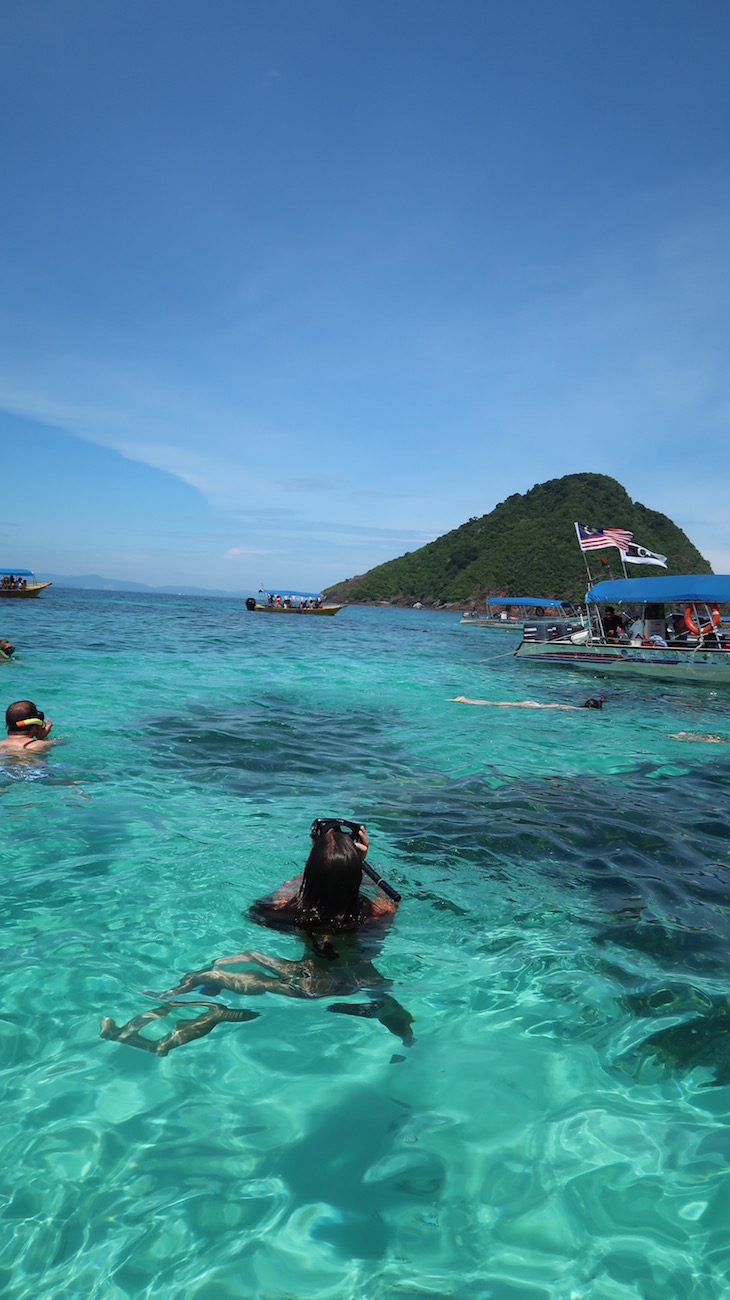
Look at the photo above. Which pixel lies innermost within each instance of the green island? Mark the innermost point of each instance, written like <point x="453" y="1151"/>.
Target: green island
<point x="527" y="545"/>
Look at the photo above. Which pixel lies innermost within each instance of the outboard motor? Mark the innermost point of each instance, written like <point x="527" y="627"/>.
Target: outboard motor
<point x="547" y="629"/>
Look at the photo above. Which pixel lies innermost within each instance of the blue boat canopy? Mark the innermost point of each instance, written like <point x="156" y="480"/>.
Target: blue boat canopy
<point x="16" y="573"/>
<point x="672" y="590"/>
<point x="285" y="591"/>
<point x="551" y="601"/>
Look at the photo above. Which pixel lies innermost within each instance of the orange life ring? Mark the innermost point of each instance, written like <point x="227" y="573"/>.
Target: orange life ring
<point x="691" y="626"/>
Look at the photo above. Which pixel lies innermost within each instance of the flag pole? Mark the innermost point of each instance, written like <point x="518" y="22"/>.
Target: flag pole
<point x="585" y="561"/>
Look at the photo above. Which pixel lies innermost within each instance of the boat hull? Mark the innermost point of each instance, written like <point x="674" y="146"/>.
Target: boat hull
<point x="24" y="593"/>
<point x="504" y="625"/>
<point x="324" y="610"/>
<point x="708" y="667"/>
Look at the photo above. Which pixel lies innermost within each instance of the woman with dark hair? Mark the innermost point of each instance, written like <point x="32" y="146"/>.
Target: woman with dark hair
<point x="326" y="896"/>
<point x="325" y="907"/>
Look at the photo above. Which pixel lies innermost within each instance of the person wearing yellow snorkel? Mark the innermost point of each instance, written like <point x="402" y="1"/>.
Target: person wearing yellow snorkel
<point x="27" y="727"/>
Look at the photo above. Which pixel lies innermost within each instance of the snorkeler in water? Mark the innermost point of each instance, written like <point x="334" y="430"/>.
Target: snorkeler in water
<point x="28" y="729"/>
<point x="593" y="703"/>
<point x="693" y="735"/>
<point x="326" y="908"/>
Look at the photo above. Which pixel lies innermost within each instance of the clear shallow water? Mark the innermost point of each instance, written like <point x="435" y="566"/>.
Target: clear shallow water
<point x="558" y="1128"/>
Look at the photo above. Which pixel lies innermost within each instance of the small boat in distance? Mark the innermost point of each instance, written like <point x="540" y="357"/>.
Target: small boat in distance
<point x="668" y="628"/>
<point x="290" y="602"/>
<point x="511" y="613"/>
<point x="20" y="583"/>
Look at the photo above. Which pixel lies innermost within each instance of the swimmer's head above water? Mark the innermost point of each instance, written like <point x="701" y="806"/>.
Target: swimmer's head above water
<point x="593" y="703"/>
<point x="23" y="714"/>
<point x="25" y="722"/>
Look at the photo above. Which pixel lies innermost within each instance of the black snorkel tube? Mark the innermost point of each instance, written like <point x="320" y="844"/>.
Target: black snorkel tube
<point x="387" y="889"/>
<point x="321" y="825"/>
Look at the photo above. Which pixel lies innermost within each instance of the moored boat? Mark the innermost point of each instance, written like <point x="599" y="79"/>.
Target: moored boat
<point x="668" y="628"/>
<point x="290" y="602"/>
<point x="512" y="613"/>
<point x="20" y="584"/>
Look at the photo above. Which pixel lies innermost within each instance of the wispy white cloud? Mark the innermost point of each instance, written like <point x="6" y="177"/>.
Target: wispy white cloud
<point x="387" y="430"/>
<point x="236" y="552"/>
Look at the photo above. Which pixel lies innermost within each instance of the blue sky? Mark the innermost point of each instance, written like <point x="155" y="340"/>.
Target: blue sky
<point x="289" y="289"/>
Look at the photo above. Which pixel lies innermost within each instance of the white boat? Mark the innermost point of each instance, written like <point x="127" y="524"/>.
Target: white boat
<point x="291" y="602"/>
<point x="512" y="613"/>
<point x="673" y="631"/>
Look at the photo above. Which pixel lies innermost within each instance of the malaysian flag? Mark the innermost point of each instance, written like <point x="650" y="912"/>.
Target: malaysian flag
<point x="596" y="539"/>
<point x="636" y="554"/>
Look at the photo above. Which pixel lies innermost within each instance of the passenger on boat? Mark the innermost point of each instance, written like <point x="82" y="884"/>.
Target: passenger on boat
<point x="325" y="907"/>
<point x="613" y="624"/>
<point x="28" y="728"/>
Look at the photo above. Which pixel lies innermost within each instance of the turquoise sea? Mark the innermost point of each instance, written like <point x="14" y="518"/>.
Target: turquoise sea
<point x="559" y="1127"/>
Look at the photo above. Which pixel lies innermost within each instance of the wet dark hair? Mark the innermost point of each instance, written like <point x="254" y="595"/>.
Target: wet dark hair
<point x="330" y="890"/>
<point x="18" y="712"/>
<point x="329" y="896"/>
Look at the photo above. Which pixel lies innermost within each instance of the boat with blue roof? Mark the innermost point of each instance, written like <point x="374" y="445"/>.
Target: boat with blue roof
<point x="513" y="613"/>
<point x="291" y="602"/>
<point x="670" y="628"/>
<point x="20" y="584"/>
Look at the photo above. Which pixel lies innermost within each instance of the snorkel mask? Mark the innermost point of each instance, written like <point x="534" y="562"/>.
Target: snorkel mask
<point x="321" y="825"/>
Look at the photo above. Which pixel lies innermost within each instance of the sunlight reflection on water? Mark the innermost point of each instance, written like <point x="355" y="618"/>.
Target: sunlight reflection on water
<point x="557" y="1127"/>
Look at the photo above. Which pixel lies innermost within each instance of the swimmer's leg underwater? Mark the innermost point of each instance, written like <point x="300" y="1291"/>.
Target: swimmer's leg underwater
<point x="292" y="980"/>
<point x="184" y="1031"/>
<point x="386" y="1009"/>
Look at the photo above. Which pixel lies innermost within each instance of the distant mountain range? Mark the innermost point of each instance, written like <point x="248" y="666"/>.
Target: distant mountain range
<point x="94" y="582"/>
<point x="527" y="546"/>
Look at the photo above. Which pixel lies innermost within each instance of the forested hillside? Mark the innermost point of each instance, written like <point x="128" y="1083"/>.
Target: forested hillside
<point x="527" y="546"/>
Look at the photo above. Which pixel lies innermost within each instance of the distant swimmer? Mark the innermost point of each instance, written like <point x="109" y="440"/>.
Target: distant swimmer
<point x="692" y="735"/>
<point x="528" y="704"/>
<point x="27" y="727"/>
<point x="7" y="649"/>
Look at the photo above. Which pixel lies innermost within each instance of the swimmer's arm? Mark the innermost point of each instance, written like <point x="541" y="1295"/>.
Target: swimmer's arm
<point x="42" y="741"/>
<point x="499" y="704"/>
<point x="512" y="704"/>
